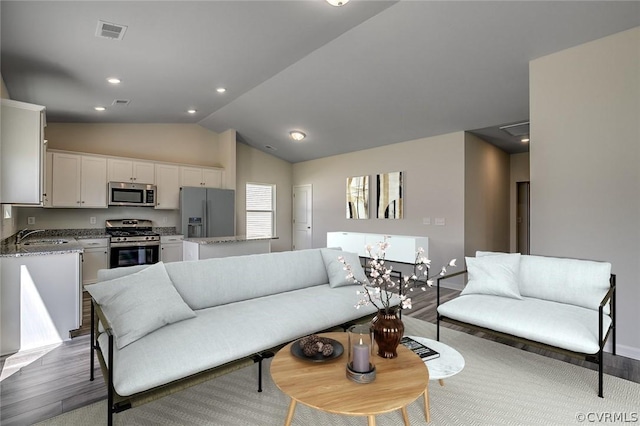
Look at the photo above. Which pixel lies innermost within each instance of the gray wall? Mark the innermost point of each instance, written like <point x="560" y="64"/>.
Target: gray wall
<point x="486" y="197"/>
<point x="258" y="167"/>
<point x="433" y="187"/>
<point x="585" y="163"/>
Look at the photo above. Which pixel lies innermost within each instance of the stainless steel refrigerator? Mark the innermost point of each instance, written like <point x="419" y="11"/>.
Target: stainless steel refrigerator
<point x="207" y="212"/>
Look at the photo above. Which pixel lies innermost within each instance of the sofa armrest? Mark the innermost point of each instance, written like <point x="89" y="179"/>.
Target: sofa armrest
<point x="442" y="279"/>
<point x="103" y="319"/>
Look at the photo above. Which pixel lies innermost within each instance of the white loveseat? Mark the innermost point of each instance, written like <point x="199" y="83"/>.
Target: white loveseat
<point x="566" y="305"/>
<point x="158" y="329"/>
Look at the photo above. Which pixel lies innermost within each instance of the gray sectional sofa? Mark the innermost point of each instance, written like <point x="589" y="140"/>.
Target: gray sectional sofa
<point x="565" y="305"/>
<point x="160" y="328"/>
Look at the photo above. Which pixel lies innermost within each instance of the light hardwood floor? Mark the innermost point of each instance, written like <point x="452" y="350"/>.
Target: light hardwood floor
<point x="57" y="381"/>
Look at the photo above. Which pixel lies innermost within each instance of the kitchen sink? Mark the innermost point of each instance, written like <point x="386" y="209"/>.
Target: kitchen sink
<point x="46" y="242"/>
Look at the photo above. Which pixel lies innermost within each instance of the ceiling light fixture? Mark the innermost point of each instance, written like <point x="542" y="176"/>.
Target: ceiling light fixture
<point x="192" y="111"/>
<point x="524" y="140"/>
<point x="113" y="80"/>
<point x="297" y="135"/>
<point x="99" y="108"/>
<point x="221" y="90"/>
<point x="337" y="3"/>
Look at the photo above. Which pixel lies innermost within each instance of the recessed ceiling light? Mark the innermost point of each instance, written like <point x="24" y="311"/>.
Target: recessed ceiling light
<point x="221" y="90"/>
<point x="524" y="140"/>
<point x="113" y="80"/>
<point x="99" y="108"/>
<point x="337" y="2"/>
<point x="297" y="135"/>
<point x="192" y="111"/>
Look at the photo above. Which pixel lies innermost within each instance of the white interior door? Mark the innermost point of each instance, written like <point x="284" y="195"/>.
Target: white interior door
<point x="302" y="217"/>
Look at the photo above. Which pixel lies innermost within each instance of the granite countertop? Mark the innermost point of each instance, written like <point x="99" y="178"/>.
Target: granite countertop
<point x="9" y="248"/>
<point x="230" y="239"/>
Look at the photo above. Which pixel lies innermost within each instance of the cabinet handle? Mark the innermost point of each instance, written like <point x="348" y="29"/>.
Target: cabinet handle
<point x="77" y="202"/>
<point x="83" y="202"/>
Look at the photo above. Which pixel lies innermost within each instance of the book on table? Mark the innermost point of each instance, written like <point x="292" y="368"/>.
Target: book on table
<point x="423" y="351"/>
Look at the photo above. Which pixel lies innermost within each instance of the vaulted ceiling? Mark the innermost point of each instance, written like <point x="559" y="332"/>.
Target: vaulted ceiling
<point x="367" y="74"/>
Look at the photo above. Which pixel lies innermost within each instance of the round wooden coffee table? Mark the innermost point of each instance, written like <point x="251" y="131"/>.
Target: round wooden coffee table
<point x="324" y="385"/>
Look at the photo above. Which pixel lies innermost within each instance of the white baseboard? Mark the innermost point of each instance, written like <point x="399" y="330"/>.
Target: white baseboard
<point x="628" y="351"/>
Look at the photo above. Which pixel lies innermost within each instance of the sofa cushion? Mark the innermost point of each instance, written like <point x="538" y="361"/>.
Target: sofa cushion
<point x="229" y="332"/>
<point x="578" y="282"/>
<point x="211" y="282"/>
<point x="561" y="325"/>
<point x="336" y="270"/>
<point x="495" y="275"/>
<point x="137" y="304"/>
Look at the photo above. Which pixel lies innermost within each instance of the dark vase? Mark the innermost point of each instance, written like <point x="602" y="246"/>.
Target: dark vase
<point x="387" y="332"/>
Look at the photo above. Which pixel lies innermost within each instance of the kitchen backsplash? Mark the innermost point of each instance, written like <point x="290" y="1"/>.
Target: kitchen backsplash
<point x="82" y="218"/>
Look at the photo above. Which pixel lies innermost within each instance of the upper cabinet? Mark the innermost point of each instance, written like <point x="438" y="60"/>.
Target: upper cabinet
<point x="122" y="170"/>
<point x="22" y="153"/>
<point x="79" y="181"/>
<point x="168" y="186"/>
<point x="199" y="176"/>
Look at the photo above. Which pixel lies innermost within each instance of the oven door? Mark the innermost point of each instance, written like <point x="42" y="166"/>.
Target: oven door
<point x="131" y="254"/>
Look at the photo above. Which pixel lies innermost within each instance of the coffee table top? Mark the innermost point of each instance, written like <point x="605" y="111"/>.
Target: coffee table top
<point x="324" y="385"/>
<point x="449" y="363"/>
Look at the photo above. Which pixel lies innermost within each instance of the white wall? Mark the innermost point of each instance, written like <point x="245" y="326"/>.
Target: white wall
<point x="176" y="143"/>
<point x="258" y="167"/>
<point x="433" y="187"/>
<point x="519" y="172"/>
<point x="585" y="164"/>
<point x="486" y="197"/>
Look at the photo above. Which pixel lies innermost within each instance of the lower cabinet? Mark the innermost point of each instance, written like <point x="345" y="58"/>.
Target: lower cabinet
<point x="39" y="299"/>
<point x="95" y="257"/>
<point x="171" y="248"/>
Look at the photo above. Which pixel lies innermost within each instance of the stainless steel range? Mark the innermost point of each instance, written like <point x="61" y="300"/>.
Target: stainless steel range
<point x="133" y="242"/>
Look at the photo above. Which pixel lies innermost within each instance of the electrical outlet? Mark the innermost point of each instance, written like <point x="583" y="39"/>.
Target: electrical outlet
<point x="92" y="220"/>
<point x="426" y="221"/>
<point x="31" y="220"/>
<point x="440" y="221"/>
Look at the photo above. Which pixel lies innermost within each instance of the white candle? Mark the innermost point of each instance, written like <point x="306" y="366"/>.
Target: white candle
<point x="360" y="357"/>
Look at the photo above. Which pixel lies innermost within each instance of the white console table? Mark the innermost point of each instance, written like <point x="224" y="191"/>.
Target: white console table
<point x="402" y="248"/>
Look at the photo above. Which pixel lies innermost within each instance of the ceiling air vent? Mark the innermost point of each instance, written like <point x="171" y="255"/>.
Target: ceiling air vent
<point x="122" y="102"/>
<point x="270" y="148"/>
<point x="518" y="129"/>
<point x="110" y="30"/>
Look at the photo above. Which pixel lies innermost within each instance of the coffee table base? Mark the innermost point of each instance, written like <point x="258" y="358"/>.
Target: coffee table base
<point x="371" y="420"/>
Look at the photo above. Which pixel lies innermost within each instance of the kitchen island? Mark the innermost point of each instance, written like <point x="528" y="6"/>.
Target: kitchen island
<point x="238" y="245"/>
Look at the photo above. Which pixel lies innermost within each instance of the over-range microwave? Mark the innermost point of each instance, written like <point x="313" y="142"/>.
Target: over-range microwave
<point x="132" y="194"/>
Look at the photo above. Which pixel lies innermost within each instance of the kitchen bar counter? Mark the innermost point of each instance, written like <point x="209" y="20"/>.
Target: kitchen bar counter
<point x="230" y="239"/>
<point x="238" y="245"/>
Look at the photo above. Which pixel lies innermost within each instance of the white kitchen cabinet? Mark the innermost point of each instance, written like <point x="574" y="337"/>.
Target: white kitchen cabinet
<point x="122" y="170"/>
<point x="94" y="258"/>
<point x="79" y="181"/>
<point x="40" y="300"/>
<point x="22" y="153"/>
<point x="48" y="181"/>
<point x="171" y="248"/>
<point x="168" y="187"/>
<point x="207" y="177"/>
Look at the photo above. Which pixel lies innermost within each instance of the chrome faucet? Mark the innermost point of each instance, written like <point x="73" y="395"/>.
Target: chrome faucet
<point x="24" y="234"/>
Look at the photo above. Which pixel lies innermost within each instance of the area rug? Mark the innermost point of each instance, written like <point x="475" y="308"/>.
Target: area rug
<point x="500" y="385"/>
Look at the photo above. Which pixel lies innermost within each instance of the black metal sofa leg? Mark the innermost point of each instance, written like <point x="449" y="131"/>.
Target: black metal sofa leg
<point x="600" y="367"/>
